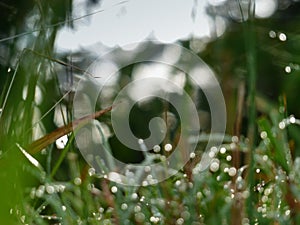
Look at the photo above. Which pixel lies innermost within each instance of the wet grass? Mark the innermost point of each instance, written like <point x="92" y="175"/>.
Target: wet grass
<point x="56" y="186"/>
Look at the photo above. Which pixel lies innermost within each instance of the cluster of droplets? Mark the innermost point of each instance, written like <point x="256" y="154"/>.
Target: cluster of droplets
<point x="167" y="147"/>
<point x="23" y="218"/>
<point x="290" y="67"/>
<point x="46" y="189"/>
<point x="280" y="35"/>
<point x="287" y="121"/>
<point x="283" y="37"/>
<point x="215" y="153"/>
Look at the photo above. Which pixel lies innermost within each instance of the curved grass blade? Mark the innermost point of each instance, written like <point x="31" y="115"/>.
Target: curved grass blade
<point x="48" y="139"/>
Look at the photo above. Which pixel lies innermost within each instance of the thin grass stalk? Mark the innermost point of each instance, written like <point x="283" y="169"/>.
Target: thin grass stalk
<point x="250" y="47"/>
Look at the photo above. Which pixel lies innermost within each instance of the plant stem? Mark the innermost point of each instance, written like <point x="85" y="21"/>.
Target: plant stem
<point x="250" y="46"/>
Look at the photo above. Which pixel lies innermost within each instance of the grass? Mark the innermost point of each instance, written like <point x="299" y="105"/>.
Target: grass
<point x="57" y="186"/>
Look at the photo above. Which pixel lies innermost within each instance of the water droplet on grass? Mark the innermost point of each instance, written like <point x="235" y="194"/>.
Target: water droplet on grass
<point x="288" y="69"/>
<point x="50" y="189"/>
<point x="101" y="210"/>
<point x="178" y="182"/>
<point x="232" y="171"/>
<point x="228" y="158"/>
<point x="263" y="134"/>
<point x="235" y="139"/>
<point x="156" y="148"/>
<point x="292" y="119"/>
<point x="77" y="181"/>
<point x="282" y="125"/>
<point x="192" y="155"/>
<point x="282" y="37"/>
<point x="168" y="147"/>
<point x="199" y="195"/>
<point x="114" y="189"/>
<point x="147" y="169"/>
<point x="134" y="196"/>
<point x="222" y="150"/>
<point x="139" y="217"/>
<point x="124" y="206"/>
<point x="272" y="34"/>
<point x="40" y="191"/>
<point x="154" y="219"/>
<point x="214" y="166"/>
<point x="91" y="171"/>
<point x="137" y="208"/>
<point x="180" y="221"/>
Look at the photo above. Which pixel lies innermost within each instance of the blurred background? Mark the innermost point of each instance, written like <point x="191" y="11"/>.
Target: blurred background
<point x="45" y="47"/>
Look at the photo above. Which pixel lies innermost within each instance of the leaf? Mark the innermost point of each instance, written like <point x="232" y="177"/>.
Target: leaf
<point x="48" y="139"/>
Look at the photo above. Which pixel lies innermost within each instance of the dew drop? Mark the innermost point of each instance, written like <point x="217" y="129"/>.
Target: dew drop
<point x="64" y="208"/>
<point x="154" y="219"/>
<point x="288" y="69"/>
<point x="272" y="34"/>
<point x="147" y="169"/>
<point x="264" y="198"/>
<point x="211" y="154"/>
<point x="235" y="139"/>
<point x="214" y="166"/>
<point x="292" y="119"/>
<point x="134" y="196"/>
<point x="50" y="189"/>
<point x="178" y="182"/>
<point x="77" y="181"/>
<point x="114" y="189"/>
<point x="232" y="145"/>
<point x="192" y="155"/>
<point x="156" y="148"/>
<point x="214" y="149"/>
<point x="282" y="125"/>
<point x="101" y="210"/>
<point x="268" y="191"/>
<point x="199" y="195"/>
<point x="223" y="150"/>
<point x="142" y="198"/>
<point x="263" y="134"/>
<point x="91" y="171"/>
<point x="40" y="191"/>
<point x="232" y="171"/>
<point x="180" y="221"/>
<point x="137" y="208"/>
<point x="282" y="37"/>
<point x="168" y="147"/>
<point x="139" y="217"/>
<point x="228" y="158"/>
<point x="257" y="170"/>
<point x="124" y="206"/>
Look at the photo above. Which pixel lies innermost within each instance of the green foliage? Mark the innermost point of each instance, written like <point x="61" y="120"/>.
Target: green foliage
<point x="56" y="186"/>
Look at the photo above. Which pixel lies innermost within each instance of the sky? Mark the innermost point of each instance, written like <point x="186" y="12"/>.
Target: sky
<point x="133" y="21"/>
<point x="118" y="22"/>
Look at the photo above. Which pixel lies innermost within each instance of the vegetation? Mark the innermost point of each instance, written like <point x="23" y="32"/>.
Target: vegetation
<point x="253" y="177"/>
